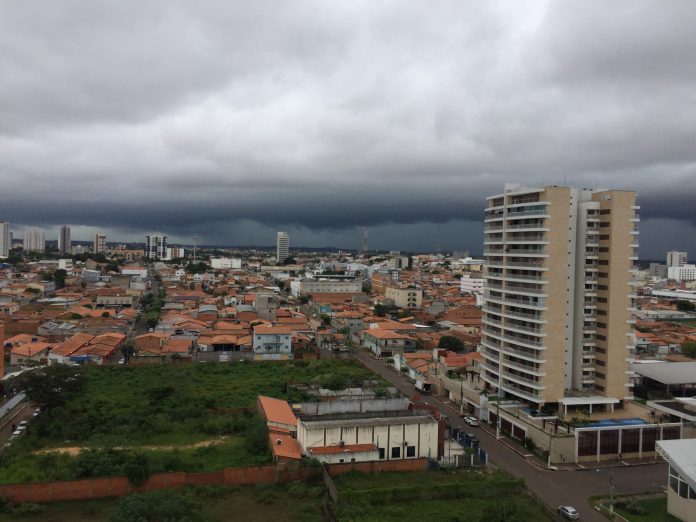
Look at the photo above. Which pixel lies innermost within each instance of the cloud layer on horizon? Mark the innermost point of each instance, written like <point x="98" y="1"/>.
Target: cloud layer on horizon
<point x="233" y="119"/>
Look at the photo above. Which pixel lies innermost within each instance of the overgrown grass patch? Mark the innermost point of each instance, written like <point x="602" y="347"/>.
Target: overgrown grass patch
<point x="162" y="412"/>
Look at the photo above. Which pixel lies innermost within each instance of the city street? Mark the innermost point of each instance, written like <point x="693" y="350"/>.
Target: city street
<point x="553" y="487"/>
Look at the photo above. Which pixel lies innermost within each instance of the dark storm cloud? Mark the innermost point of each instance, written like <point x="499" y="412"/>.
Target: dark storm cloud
<point x="230" y="119"/>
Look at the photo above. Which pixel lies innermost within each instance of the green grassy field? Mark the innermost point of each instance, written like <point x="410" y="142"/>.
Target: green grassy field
<point x="163" y="412"/>
<point x="436" y="495"/>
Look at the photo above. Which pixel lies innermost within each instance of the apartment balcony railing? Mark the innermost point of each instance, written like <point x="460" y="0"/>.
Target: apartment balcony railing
<point x="520" y="352"/>
<point x="536" y="370"/>
<point x="524" y="380"/>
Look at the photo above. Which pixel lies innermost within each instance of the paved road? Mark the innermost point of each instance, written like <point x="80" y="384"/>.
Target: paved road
<point x="553" y="487"/>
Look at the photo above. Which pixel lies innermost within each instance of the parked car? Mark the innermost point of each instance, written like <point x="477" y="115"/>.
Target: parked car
<point x="472" y="438"/>
<point x="121" y="361"/>
<point x="471" y="421"/>
<point x="569" y="512"/>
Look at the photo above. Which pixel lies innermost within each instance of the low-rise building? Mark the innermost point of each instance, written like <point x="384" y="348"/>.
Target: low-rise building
<point x="384" y="343"/>
<point x="409" y="297"/>
<point x="272" y="342"/>
<point x="369" y="435"/>
<point x="681" y="482"/>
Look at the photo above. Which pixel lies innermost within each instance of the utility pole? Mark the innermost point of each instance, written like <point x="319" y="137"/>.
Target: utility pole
<point x="461" y="395"/>
<point x="611" y="492"/>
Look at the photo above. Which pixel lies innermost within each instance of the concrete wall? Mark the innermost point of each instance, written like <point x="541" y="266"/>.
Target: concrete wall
<point x="119" y="486"/>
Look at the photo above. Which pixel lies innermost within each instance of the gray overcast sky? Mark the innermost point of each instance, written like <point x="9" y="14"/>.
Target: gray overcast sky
<point x="231" y="120"/>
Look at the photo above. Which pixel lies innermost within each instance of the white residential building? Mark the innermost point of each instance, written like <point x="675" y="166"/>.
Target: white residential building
<point x="471" y="285"/>
<point x="676" y="259"/>
<point x="282" y="247"/>
<point x="34" y="241"/>
<point x="272" y="342"/>
<point x="682" y="273"/>
<point x="222" y="263"/>
<point x="99" y="245"/>
<point x="156" y="246"/>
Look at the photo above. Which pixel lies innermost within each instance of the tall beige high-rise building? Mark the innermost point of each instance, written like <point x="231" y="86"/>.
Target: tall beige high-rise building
<point x="34" y="241"/>
<point x="99" y="246"/>
<point x="282" y="247"/>
<point x="5" y="241"/>
<point x="558" y="297"/>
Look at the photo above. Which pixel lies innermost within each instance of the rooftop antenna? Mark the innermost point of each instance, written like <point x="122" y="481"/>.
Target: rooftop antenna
<point x="195" y="238"/>
<point x="364" y="241"/>
<point x="437" y="247"/>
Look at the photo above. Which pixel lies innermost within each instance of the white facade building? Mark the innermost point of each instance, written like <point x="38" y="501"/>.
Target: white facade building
<point x="156" y="246"/>
<point x="222" y="263"/>
<point x="282" y="247"/>
<point x="471" y="285"/>
<point x="5" y="243"/>
<point x="34" y="241"/>
<point x="362" y="437"/>
<point x="682" y="272"/>
<point x="99" y="245"/>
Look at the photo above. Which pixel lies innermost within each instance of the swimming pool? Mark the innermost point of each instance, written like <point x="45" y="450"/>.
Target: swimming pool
<point x="608" y="423"/>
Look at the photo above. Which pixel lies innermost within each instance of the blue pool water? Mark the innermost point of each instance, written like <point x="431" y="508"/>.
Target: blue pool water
<point x="614" y="422"/>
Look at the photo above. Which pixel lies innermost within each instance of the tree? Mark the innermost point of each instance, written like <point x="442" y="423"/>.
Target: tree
<point x="50" y="386"/>
<point x="685" y="306"/>
<point x="289" y="261"/>
<point x="166" y="505"/>
<point x="451" y="342"/>
<point x="304" y="299"/>
<point x="59" y="278"/>
<point x="689" y="349"/>
<point x="256" y="436"/>
<point x="128" y="350"/>
<point x="381" y="310"/>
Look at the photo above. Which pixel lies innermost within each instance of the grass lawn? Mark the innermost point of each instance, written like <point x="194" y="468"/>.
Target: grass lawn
<point x="163" y="411"/>
<point x="297" y="502"/>
<point x="655" y="511"/>
<point x="434" y="495"/>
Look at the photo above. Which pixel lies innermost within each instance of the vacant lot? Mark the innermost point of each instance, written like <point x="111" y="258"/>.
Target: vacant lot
<point x="435" y="495"/>
<point x="187" y="417"/>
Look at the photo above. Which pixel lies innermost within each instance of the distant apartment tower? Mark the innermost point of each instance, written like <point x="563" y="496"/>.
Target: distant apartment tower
<point x="156" y="246"/>
<point x="675" y="259"/>
<point x="558" y="298"/>
<point x="34" y="241"/>
<point x="99" y="246"/>
<point x="64" y="243"/>
<point x="5" y="240"/>
<point x="282" y="247"/>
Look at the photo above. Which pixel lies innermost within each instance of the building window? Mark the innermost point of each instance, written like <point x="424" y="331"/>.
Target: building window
<point x="396" y="453"/>
<point x="381" y="453"/>
<point x="410" y="451"/>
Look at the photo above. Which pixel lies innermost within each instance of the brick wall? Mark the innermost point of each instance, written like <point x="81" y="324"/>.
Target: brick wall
<point x="119" y="486"/>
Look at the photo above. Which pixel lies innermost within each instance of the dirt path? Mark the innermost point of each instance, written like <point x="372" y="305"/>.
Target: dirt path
<point x="74" y="450"/>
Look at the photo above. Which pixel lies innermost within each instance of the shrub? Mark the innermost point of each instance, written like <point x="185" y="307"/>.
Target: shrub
<point x="164" y="505"/>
